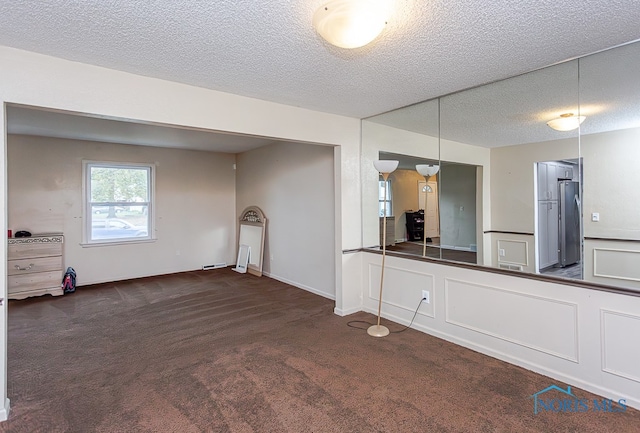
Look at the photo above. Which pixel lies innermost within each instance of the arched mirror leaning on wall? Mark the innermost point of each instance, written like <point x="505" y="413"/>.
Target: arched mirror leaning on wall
<point x="548" y="199"/>
<point x="251" y="232"/>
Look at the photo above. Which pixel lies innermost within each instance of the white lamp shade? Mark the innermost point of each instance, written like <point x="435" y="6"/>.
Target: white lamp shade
<point x="427" y="170"/>
<point x="351" y="23"/>
<point x="566" y="122"/>
<point x="385" y="165"/>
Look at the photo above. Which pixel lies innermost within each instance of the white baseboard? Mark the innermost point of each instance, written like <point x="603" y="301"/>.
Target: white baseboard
<point x="301" y="286"/>
<point x="457" y="248"/>
<point x="347" y="312"/>
<point x="4" y="411"/>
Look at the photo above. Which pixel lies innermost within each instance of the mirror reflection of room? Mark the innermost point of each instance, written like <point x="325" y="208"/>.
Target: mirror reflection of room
<point x="424" y="219"/>
<point x="494" y="143"/>
<point x="558" y="233"/>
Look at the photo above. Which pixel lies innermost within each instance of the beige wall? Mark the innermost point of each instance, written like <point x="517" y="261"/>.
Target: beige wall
<point x="293" y="184"/>
<point x="512" y="181"/>
<point x="194" y="205"/>
<point x="611" y="183"/>
<point x="404" y="184"/>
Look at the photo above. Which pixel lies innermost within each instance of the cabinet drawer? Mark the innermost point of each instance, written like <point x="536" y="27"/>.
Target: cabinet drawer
<point x="26" y="282"/>
<point x="21" y="251"/>
<point x="30" y="266"/>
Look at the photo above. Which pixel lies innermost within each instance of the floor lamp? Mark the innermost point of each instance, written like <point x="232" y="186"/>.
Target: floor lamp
<point x="427" y="171"/>
<point x="385" y="168"/>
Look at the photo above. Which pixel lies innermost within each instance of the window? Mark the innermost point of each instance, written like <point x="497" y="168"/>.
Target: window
<point x="118" y="202"/>
<point x="381" y="198"/>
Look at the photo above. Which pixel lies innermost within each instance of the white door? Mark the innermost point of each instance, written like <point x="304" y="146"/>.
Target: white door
<point x="431" y="211"/>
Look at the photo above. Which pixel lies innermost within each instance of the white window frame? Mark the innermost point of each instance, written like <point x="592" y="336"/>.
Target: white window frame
<point x="86" y="203"/>
<point x="389" y="210"/>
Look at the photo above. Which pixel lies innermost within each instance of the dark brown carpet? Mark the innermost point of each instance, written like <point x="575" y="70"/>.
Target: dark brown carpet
<point x="216" y="351"/>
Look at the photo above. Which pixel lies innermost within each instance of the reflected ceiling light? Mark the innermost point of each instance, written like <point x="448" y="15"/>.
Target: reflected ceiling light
<point x="427" y="170"/>
<point x="566" y="122"/>
<point x="351" y="23"/>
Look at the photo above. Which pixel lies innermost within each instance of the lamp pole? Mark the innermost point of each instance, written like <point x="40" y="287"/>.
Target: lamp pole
<point x="427" y="171"/>
<point x="385" y="168"/>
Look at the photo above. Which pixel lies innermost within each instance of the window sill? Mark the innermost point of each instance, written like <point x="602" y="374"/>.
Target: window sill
<point x="116" y="243"/>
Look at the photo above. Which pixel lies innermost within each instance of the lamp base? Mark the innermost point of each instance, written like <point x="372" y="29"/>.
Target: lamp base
<point x="378" y="331"/>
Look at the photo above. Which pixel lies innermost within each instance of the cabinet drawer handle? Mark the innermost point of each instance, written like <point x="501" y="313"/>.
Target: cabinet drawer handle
<point x="31" y="265"/>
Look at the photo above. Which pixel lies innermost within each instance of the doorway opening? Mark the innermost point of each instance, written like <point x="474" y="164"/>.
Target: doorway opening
<point x="558" y="207"/>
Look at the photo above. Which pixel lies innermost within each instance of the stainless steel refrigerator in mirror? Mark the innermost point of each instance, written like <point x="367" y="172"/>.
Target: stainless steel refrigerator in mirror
<point x="568" y="222"/>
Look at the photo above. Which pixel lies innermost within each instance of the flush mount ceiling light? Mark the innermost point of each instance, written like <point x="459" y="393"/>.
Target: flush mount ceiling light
<point x="566" y="122"/>
<point x="351" y="23"/>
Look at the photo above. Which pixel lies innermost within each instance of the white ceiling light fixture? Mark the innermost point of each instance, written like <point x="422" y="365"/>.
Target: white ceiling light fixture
<point x="566" y="122"/>
<point x="351" y="23"/>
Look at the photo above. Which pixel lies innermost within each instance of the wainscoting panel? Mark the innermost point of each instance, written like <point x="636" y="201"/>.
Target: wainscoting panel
<point x="402" y="288"/>
<point x="620" y="352"/>
<point x="543" y="324"/>
<point x="514" y="252"/>
<point x="619" y="264"/>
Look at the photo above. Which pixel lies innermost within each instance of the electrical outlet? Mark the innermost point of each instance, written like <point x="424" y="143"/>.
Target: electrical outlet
<point x="501" y="252"/>
<point x="425" y="296"/>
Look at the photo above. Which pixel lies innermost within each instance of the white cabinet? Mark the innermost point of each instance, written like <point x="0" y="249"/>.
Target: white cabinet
<point x="548" y="233"/>
<point x="564" y="172"/>
<point x="34" y="266"/>
<point x="547" y="181"/>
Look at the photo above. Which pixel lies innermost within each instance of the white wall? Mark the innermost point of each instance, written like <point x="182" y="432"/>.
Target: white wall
<point x="194" y="205"/>
<point x="293" y="184"/>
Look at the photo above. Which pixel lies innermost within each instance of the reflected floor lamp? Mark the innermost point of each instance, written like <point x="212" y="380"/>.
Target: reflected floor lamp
<point x="385" y="168"/>
<point x="427" y="171"/>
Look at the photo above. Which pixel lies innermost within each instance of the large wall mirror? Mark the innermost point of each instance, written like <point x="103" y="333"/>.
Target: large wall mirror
<point x="517" y="188"/>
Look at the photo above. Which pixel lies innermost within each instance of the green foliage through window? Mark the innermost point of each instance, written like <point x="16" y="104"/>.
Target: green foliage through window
<point x="109" y="184"/>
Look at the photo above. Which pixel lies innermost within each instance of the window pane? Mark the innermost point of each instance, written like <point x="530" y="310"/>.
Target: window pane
<point x="118" y="202"/>
<point x="111" y="184"/>
<point x="129" y="223"/>
<point x="381" y="190"/>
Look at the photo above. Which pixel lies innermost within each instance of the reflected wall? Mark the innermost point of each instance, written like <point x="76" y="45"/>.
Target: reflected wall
<point x="502" y="166"/>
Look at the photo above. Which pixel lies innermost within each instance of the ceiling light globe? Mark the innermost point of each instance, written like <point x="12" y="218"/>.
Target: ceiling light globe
<point x="351" y="23"/>
<point x="566" y="122"/>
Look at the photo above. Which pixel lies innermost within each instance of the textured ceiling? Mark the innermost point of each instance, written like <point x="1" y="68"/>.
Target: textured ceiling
<point x="269" y="50"/>
<point x="46" y="123"/>
<point x="604" y="87"/>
